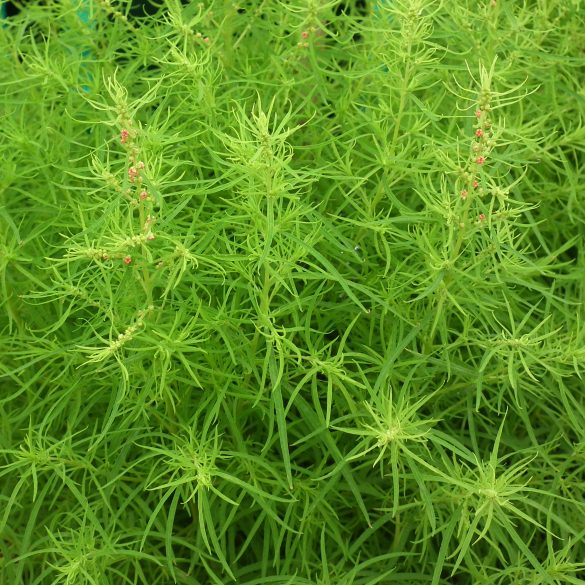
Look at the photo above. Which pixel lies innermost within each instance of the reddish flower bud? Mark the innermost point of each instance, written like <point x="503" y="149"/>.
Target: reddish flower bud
<point x="482" y="217"/>
<point x="480" y="160"/>
<point x="127" y="260"/>
<point x="478" y="113"/>
<point x="479" y="132"/>
<point x="305" y="34"/>
<point x="124" y="134"/>
<point x="132" y="173"/>
<point x="464" y="194"/>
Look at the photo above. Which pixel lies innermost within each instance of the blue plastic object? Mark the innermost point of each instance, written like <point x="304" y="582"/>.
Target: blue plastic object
<point x="379" y="4"/>
<point x="85" y="16"/>
<point x="83" y="12"/>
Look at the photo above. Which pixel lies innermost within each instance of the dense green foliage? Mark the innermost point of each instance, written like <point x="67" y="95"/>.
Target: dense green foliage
<point x="292" y="292"/>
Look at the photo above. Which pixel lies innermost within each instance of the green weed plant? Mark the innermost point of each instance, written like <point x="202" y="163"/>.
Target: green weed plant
<point x="292" y="292"/>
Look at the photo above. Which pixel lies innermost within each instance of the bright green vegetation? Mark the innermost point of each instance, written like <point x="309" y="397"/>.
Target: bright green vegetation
<point x="293" y="293"/>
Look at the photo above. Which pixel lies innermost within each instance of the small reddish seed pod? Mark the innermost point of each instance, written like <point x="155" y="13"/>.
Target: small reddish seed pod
<point x="127" y="260"/>
<point x="480" y="160"/>
<point x="482" y="217"/>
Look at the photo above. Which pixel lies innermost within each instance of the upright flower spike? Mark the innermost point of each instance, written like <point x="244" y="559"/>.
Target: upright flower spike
<point x="148" y="223"/>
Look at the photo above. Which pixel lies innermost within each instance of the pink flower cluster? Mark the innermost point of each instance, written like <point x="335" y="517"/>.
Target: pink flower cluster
<point x="134" y="172"/>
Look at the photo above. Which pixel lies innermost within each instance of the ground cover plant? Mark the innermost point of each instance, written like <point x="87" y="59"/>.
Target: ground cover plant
<point x="291" y="292"/>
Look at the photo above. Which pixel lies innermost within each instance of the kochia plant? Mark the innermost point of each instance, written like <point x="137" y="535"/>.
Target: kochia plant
<point x="292" y="292"/>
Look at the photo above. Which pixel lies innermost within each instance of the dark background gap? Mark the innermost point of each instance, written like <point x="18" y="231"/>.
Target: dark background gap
<point x="141" y="8"/>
